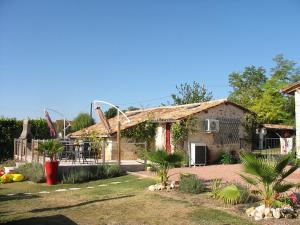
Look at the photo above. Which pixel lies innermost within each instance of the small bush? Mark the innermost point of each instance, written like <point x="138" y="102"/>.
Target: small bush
<point x="189" y="183"/>
<point x="227" y="158"/>
<point x="84" y="174"/>
<point x="32" y="171"/>
<point x="9" y="163"/>
<point x="234" y="194"/>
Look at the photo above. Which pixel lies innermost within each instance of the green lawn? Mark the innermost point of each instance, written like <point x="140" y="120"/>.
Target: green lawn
<point x="127" y="202"/>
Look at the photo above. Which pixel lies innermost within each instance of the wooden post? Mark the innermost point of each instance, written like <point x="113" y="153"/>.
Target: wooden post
<point x="32" y="150"/>
<point x="145" y="159"/>
<point x="44" y="156"/>
<point x="119" y="142"/>
<point x="21" y="156"/>
<point x="15" y="146"/>
<point x="103" y="152"/>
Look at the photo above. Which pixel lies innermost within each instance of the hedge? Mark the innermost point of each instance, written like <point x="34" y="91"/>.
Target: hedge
<point x="11" y="128"/>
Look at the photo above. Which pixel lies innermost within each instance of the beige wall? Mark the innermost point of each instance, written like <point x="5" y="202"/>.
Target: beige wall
<point x="128" y="149"/>
<point x="297" y="108"/>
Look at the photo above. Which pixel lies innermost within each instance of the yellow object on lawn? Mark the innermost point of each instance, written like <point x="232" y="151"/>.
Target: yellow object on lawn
<point x="7" y="178"/>
<point x="18" y="177"/>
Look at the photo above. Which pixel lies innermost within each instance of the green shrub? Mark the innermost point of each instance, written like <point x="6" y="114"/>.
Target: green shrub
<point x="216" y="187"/>
<point x="162" y="162"/>
<point x="189" y="183"/>
<point x="234" y="194"/>
<point x="32" y="171"/>
<point x="9" y="163"/>
<point x="10" y="128"/>
<point x="227" y="158"/>
<point x="84" y="174"/>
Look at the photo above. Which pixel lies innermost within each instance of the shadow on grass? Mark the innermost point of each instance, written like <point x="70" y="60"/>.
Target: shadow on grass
<point x="80" y="204"/>
<point x="19" y="196"/>
<point x="47" y="220"/>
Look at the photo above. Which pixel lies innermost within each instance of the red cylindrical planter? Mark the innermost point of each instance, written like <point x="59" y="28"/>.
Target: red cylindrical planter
<point x="51" y="168"/>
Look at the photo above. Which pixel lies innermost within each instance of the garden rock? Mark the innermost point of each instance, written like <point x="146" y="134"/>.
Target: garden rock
<point x="172" y="185"/>
<point x="262" y="212"/>
<point x="156" y="187"/>
<point x="250" y="212"/>
<point x="258" y="215"/>
<point x="160" y="187"/>
<point x="268" y="213"/>
<point x="152" y="188"/>
<point x="261" y="209"/>
<point x="276" y="213"/>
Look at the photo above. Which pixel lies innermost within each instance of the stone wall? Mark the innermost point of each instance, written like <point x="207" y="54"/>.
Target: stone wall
<point x="227" y="140"/>
<point x="217" y="143"/>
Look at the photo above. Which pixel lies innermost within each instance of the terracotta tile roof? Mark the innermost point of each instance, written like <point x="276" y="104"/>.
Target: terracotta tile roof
<point x="164" y="113"/>
<point x="291" y="88"/>
<point x="278" y="127"/>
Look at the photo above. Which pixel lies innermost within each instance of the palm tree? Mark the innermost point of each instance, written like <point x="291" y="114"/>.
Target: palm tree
<point x="50" y="148"/>
<point x="162" y="162"/>
<point x="268" y="176"/>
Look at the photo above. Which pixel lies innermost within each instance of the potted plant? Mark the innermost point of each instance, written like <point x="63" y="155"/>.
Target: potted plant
<point x="9" y="166"/>
<point x="50" y="148"/>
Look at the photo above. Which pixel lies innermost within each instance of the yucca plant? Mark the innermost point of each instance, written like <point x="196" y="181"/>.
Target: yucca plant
<point x="216" y="186"/>
<point x="268" y="176"/>
<point x="162" y="162"/>
<point x="50" y="148"/>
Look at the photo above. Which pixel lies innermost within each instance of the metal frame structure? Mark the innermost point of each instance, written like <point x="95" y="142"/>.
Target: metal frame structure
<point x="59" y="113"/>
<point x="95" y="102"/>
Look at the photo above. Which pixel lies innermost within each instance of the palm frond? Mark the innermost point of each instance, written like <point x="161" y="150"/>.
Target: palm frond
<point x="282" y="163"/>
<point x="249" y="180"/>
<point x="287" y="173"/>
<point x="258" y="167"/>
<point x="280" y="188"/>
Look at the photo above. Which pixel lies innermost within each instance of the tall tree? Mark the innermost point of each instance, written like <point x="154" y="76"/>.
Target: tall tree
<point x="191" y="93"/>
<point x="82" y="120"/>
<point x="110" y="113"/>
<point x="260" y="93"/>
<point x="247" y="85"/>
<point x="273" y="107"/>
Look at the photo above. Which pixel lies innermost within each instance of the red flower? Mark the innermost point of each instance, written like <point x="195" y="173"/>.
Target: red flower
<point x="294" y="198"/>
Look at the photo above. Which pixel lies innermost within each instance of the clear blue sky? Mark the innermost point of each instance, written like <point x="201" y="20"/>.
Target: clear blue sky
<point x="64" y="54"/>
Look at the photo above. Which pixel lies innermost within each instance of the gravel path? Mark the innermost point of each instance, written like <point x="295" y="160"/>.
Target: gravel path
<point x="229" y="173"/>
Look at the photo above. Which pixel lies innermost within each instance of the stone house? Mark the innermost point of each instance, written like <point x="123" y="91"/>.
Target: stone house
<point x="218" y="127"/>
<point x="294" y="89"/>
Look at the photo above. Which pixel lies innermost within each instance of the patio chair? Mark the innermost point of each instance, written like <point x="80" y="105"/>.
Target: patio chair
<point x="85" y="152"/>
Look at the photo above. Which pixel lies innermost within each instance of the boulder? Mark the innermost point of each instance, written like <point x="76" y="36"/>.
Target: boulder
<point x="268" y="213"/>
<point x="160" y="187"/>
<point x="287" y="210"/>
<point x="258" y="215"/>
<point x="250" y="211"/>
<point x="172" y="185"/>
<point x="288" y="216"/>
<point x="152" y="188"/>
<point x="261" y="209"/>
<point x="276" y="213"/>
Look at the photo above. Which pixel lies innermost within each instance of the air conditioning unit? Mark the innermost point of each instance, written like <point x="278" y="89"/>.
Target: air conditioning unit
<point x="211" y="126"/>
<point x="198" y="154"/>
